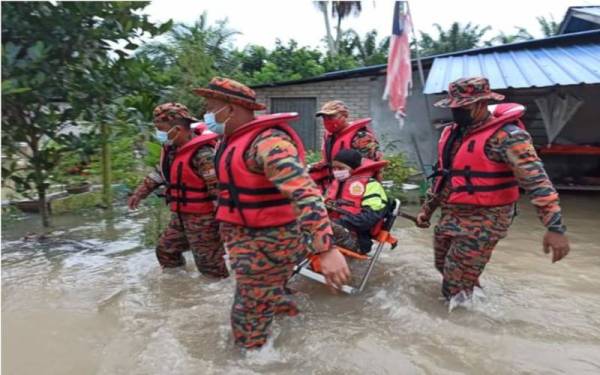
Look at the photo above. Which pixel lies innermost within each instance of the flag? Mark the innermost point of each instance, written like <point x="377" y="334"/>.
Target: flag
<point x="399" y="70"/>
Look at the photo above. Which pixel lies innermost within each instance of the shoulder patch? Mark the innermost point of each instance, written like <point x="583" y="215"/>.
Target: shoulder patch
<point x="357" y="188"/>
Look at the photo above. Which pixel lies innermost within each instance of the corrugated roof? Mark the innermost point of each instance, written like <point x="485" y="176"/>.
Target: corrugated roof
<point x="580" y="18"/>
<point x="521" y="68"/>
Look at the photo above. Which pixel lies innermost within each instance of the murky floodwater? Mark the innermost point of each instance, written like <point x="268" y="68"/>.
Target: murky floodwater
<point x="92" y="300"/>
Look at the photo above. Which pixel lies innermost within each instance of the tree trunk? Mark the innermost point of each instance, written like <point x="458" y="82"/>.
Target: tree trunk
<point x="106" y="166"/>
<point x="43" y="205"/>
<point x="39" y="180"/>
<point x="338" y="35"/>
<point x="330" y="42"/>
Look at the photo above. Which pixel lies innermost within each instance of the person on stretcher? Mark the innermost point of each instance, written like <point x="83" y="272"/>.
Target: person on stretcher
<point x="356" y="201"/>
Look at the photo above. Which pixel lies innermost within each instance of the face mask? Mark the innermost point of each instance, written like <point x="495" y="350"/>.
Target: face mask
<point x="161" y="136"/>
<point x="211" y="122"/>
<point x="332" y="124"/>
<point x="341" y="174"/>
<point x="462" y="116"/>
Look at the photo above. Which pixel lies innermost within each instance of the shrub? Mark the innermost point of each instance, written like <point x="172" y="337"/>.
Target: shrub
<point x="398" y="172"/>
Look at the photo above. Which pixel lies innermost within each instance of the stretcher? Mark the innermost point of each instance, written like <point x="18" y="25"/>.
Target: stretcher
<point x="309" y="267"/>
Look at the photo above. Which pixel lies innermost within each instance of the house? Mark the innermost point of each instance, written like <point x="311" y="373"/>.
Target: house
<point x="544" y="74"/>
<point x="580" y="18"/>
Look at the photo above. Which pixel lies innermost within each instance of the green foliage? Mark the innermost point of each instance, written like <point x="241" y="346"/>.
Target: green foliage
<point x="456" y="38"/>
<point x="548" y="26"/>
<point x="285" y="62"/>
<point x="152" y="153"/>
<point x="61" y="63"/>
<point x="520" y="35"/>
<point x="366" y="50"/>
<point x="397" y="171"/>
<point x="190" y="57"/>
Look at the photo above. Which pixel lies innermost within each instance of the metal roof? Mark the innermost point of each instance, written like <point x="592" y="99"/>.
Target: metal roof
<point x="580" y="18"/>
<point x="541" y="66"/>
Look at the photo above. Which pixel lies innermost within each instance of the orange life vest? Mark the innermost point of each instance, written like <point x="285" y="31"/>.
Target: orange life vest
<point x="186" y="191"/>
<point x="246" y="198"/>
<point x="474" y="178"/>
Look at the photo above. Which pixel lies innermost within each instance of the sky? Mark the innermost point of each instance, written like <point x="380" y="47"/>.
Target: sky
<point x="263" y="21"/>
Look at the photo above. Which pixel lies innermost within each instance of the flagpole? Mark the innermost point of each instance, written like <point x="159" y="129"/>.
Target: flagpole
<point x="422" y="79"/>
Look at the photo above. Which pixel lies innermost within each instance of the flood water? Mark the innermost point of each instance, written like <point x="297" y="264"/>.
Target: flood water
<point x="92" y="300"/>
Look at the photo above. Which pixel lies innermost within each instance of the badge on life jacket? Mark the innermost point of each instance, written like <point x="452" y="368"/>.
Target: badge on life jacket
<point x="357" y="188"/>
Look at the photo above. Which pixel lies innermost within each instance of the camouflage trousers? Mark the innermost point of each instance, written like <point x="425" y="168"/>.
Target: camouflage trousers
<point x="262" y="260"/>
<point x="463" y="243"/>
<point x="198" y="233"/>
<point x="343" y="237"/>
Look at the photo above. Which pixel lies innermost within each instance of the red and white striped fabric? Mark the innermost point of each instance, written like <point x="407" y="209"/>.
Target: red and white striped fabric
<point x="399" y="70"/>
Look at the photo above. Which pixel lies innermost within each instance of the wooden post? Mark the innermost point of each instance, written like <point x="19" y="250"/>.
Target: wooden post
<point x="106" y="166"/>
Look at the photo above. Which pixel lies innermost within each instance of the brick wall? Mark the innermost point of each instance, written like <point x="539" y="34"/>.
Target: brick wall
<point x="355" y="92"/>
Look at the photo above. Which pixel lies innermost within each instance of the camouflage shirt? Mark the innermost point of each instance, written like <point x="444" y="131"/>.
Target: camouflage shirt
<point x="202" y="163"/>
<point x="515" y="148"/>
<point x="274" y="154"/>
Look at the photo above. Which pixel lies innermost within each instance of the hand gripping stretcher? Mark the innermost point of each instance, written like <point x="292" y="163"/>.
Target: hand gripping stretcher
<point x="310" y="267"/>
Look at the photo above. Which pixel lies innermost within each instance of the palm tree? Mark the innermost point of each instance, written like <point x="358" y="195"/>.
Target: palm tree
<point x="548" y="25"/>
<point x="322" y="6"/>
<point x="520" y="36"/>
<point x="455" y="38"/>
<point x="339" y="10"/>
<point x="191" y="55"/>
<point x="367" y="50"/>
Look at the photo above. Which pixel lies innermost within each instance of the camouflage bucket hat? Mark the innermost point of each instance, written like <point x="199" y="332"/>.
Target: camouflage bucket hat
<point x="168" y="112"/>
<point x="465" y="91"/>
<point x="230" y="91"/>
<point x="333" y="108"/>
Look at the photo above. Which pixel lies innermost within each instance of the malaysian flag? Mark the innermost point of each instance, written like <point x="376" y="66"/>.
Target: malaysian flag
<point x="399" y="71"/>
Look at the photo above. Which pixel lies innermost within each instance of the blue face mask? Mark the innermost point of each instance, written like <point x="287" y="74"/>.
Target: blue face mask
<point x="211" y="122"/>
<point x="161" y="137"/>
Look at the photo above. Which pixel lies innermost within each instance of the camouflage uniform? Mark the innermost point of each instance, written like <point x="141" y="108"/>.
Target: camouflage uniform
<point x="363" y="141"/>
<point x="185" y="231"/>
<point x="263" y="259"/>
<point x="466" y="235"/>
<point x="366" y="143"/>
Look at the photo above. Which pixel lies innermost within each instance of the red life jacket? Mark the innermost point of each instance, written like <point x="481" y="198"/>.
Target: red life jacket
<point x="348" y="194"/>
<point x="186" y="191"/>
<point x="474" y="178"/>
<point x="332" y="144"/>
<point x="247" y="198"/>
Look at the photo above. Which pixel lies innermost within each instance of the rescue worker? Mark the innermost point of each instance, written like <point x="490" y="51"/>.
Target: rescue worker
<point x="483" y="159"/>
<point x="357" y="201"/>
<point x="340" y="134"/>
<point x="187" y="170"/>
<point x="268" y="208"/>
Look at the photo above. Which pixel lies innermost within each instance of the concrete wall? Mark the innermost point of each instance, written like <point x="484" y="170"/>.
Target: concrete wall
<point x="416" y="125"/>
<point x="353" y="91"/>
<point x="363" y="97"/>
